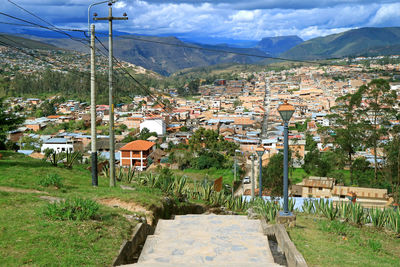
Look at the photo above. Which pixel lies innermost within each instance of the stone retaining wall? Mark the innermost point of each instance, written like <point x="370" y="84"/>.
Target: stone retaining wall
<point x="278" y="232"/>
<point x="131" y="247"/>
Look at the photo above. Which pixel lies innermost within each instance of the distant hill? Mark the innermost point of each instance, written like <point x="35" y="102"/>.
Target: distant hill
<point x="151" y="53"/>
<point x="356" y="42"/>
<point x="21" y="42"/>
<point x="279" y="44"/>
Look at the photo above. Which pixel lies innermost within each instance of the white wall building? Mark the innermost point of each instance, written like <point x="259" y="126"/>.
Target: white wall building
<point x="58" y="145"/>
<point x="154" y="125"/>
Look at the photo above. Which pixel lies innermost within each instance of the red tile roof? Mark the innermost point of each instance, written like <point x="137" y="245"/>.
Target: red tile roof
<point x="138" y="145"/>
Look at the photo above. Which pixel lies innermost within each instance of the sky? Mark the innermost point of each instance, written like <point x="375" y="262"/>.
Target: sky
<point x="202" y="19"/>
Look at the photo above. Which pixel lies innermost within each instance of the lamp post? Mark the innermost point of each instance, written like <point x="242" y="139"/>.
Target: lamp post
<point x="260" y="153"/>
<point x="234" y="170"/>
<point x="286" y="111"/>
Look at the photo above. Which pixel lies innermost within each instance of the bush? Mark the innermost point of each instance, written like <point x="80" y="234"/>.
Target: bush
<point x="76" y="209"/>
<point x="51" y="180"/>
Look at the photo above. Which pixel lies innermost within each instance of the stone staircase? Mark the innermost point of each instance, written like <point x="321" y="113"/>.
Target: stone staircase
<point x="207" y="240"/>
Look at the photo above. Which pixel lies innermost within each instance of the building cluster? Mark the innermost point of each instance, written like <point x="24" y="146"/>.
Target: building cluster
<point x="21" y="60"/>
<point x="243" y="111"/>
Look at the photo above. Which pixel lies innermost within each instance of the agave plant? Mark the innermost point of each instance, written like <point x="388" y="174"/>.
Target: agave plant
<point x="378" y="217"/>
<point x="320" y="205"/>
<point x="330" y="211"/>
<point x="105" y="171"/>
<point x="393" y="221"/>
<point x="268" y="209"/>
<point x="291" y="204"/>
<point x="218" y="198"/>
<point x="357" y="214"/>
<point x="344" y="209"/>
<point x="149" y="179"/>
<point x="205" y="191"/>
<point x="179" y="185"/>
<point x="308" y="206"/>
<point x="71" y="158"/>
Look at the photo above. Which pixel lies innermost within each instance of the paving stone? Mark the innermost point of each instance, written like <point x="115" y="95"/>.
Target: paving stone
<point x="207" y="240"/>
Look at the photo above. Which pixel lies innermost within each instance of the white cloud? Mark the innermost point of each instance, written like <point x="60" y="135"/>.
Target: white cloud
<point x="251" y="19"/>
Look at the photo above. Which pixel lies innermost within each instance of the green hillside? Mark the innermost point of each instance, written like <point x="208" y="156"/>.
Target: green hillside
<point x="17" y="41"/>
<point x="363" y="41"/>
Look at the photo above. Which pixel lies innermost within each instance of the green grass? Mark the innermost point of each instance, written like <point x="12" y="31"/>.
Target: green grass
<point x="29" y="237"/>
<point x="325" y="243"/>
<point x="298" y="174"/>
<point x="17" y="170"/>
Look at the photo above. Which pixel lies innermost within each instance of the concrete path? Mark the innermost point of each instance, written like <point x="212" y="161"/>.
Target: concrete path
<point x="207" y="240"/>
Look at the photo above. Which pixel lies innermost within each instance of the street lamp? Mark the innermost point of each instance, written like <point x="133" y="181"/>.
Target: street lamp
<point x="260" y="153"/>
<point x="235" y="170"/>
<point x="286" y="111"/>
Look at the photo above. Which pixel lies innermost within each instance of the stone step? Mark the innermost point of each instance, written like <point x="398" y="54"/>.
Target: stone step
<point x="209" y="216"/>
<point x="207" y="240"/>
<point x="237" y="264"/>
<point x="203" y="249"/>
<point x="212" y="226"/>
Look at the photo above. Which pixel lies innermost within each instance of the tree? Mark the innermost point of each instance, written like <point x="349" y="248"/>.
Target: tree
<point x="47" y="109"/>
<point x="362" y="172"/>
<point x="392" y="162"/>
<point x="346" y="131"/>
<point x="194" y="86"/>
<point x="8" y="122"/>
<point x="376" y="111"/>
<point x="272" y="175"/>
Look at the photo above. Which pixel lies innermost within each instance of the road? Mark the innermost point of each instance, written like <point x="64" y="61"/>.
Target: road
<point x="243" y="187"/>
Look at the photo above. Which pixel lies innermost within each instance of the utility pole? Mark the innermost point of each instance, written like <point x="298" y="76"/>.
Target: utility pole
<point x="252" y="177"/>
<point x="93" y="107"/>
<point x="110" y="19"/>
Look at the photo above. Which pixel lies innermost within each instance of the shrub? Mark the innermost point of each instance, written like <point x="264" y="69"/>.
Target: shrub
<point x="51" y="180"/>
<point x="76" y="209"/>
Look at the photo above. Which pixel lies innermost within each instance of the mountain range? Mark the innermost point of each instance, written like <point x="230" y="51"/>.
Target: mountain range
<point x="357" y="42"/>
<point x="168" y="54"/>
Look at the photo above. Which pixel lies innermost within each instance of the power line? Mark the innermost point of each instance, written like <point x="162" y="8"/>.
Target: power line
<point x="81" y="40"/>
<point x="133" y="78"/>
<point x="33" y="26"/>
<point x="32" y="14"/>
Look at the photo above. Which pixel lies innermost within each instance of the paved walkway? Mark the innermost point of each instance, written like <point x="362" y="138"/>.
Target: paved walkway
<point x="207" y="240"/>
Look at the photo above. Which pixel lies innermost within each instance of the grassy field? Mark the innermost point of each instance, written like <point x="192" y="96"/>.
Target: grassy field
<point x="325" y="243"/>
<point x="28" y="237"/>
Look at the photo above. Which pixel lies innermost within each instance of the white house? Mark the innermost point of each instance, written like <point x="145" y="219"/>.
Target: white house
<point x="154" y="125"/>
<point x="58" y="145"/>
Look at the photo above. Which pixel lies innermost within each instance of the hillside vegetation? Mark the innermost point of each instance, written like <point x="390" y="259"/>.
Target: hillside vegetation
<point x="363" y="41"/>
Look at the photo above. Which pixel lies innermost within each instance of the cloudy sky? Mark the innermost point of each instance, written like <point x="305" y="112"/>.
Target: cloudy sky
<point x="244" y="20"/>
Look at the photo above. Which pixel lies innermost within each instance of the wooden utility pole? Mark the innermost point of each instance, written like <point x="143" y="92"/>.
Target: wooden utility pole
<point x="93" y="107"/>
<point x="110" y="19"/>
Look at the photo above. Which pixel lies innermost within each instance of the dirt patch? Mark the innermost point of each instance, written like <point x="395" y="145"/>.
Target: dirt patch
<point x="131" y="206"/>
<point x="20" y="190"/>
